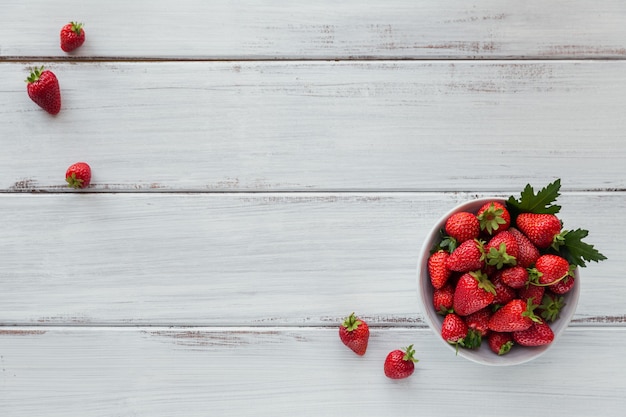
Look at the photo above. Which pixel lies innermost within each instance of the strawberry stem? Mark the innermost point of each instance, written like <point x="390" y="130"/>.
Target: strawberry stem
<point x="351" y="323"/>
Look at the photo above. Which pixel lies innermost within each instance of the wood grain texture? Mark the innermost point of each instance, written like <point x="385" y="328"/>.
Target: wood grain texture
<point x="324" y="29"/>
<point x="250" y="259"/>
<point x="280" y="372"/>
<point x="333" y="126"/>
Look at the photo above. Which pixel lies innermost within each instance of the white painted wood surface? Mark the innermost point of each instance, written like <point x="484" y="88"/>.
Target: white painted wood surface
<point x="261" y="169"/>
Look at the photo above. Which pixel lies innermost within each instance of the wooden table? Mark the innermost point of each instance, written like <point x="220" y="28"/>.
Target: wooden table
<point x="263" y="168"/>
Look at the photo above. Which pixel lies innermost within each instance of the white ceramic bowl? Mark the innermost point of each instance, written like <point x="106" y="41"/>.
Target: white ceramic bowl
<point x="483" y="355"/>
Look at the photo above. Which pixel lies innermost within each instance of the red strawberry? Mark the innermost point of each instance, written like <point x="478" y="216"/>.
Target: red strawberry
<point x="72" y="36"/>
<point x="400" y="363"/>
<point x="504" y="293"/>
<point x="551" y="268"/>
<point x="43" y="89"/>
<point x="78" y="175"/>
<point x="563" y="286"/>
<point x="538" y="334"/>
<point x="473" y="292"/>
<point x="515" y="276"/>
<point x="502" y="250"/>
<point x="355" y="334"/>
<point x="462" y="226"/>
<point x="528" y="253"/>
<point x="479" y="321"/>
<point x="443" y="299"/>
<point x="516" y="315"/>
<point x="493" y="217"/>
<point x="469" y="256"/>
<point x="534" y="293"/>
<point x="453" y="330"/>
<point x="541" y="229"/>
<point x="437" y="270"/>
<point x="499" y="342"/>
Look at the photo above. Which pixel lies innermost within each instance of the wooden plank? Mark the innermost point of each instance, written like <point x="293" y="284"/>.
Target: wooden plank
<point x="285" y="126"/>
<point x="240" y="259"/>
<point x="323" y="29"/>
<point x="281" y="372"/>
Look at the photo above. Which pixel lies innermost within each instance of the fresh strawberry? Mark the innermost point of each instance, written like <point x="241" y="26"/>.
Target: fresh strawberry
<point x="479" y="321"/>
<point x="563" y="286"/>
<point x="43" y="89"/>
<point x="78" y="175"/>
<point x="516" y="315"/>
<point x="453" y="330"/>
<point x="515" y="276"/>
<point x="527" y="252"/>
<point x="538" y="334"/>
<point x="443" y="299"/>
<point x="551" y="269"/>
<point x="499" y="342"/>
<point x="437" y="270"/>
<point x="504" y="293"/>
<point x="551" y="306"/>
<point x="493" y="217"/>
<point x="469" y="256"/>
<point x="72" y="36"/>
<point x="473" y="292"/>
<point x="462" y="226"/>
<point x="400" y="363"/>
<point x="540" y="228"/>
<point x="502" y="250"/>
<point x="355" y="334"/>
<point x="531" y="292"/>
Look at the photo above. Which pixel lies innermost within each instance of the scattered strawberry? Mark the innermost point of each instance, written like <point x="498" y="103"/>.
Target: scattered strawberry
<point x="400" y="364"/>
<point x="493" y="217"/>
<point x="78" y="175"/>
<point x="516" y="315"/>
<point x="469" y="256"/>
<point x="43" y="89"/>
<point x="515" y="276"/>
<point x="437" y="269"/>
<point x="355" y="334"/>
<point x="538" y="334"/>
<point x="72" y="36"/>
<point x="473" y="292"/>
<point x="527" y="252"/>
<point x="443" y="299"/>
<point x="500" y="343"/>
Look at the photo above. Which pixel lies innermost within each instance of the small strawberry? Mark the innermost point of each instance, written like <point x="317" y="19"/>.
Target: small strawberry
<point x="355" y="334"/>
<point x="538" y="334"/>
<point x="500" y="342"/>
<point x="473" y="292"/>
<point x="437" y="270"/>
<point x="532" y="293"/>
<point x="515" y="276"/>
<point x="72" y="36"/>
<point x="563" y="286"/>
<point x="462" y="226"/>
<point x="479" y="321"/>
<point x="443" y="299"/>
<point x="502" y="250"/>
<point x="504" y="293"/>
<point x="551" y="269"/>
<point x="551" y="306"/>
<point x="400" y="364"/>
<point x="78" y="175"/>
<point x="453" y="329"/>
<point x="540" y="228"/>
<point x="527" y="252"/>
<point x="43" y="89"/>
<point x="469" y="256"/>
<point x="514" y="316"/>
<point x="493" y="217"/>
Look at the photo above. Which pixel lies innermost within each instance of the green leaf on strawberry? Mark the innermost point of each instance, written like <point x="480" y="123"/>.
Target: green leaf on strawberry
<point x="540" y="203"/>
<point x="576" y="251"/>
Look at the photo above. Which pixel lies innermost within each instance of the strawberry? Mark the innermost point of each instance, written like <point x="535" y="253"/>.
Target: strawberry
<point x="504" y="293"/>
<point x="563" y="286"/>
<point x="437" y="270"/>
<point x="502" y="250"/>
<point x="78" y="175"/>
<point x="453" y="329"/>
<point x="540" y="228"/>
<point x="443" y="299"/>
<point x="479" y="321"/>
<point x="538" y="334"/>
<point x="43" y="89"/>
<point x="532" y="293"/>
<point x="516" y="315"/>
<point x="355" y="334"/>
<point x="469" y="256"/>
<point x="72" y="36"/>
<point x="473" y="292"/>
<point x="551" y="269"/>
<point x="500" y="342"/>
<point x="493" y="217"/>
<point x="462" y="226"/>
<point x="515" y="276"/>
<point x="400" y="363"/>
<point x="527" y="252"/>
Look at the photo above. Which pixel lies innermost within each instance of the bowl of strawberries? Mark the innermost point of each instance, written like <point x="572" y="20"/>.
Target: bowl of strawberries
<point x="499" y="280"/>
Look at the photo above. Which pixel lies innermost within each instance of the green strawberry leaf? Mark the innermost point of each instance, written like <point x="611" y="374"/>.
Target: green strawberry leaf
<point x="529" y="202"/>
<point x="576" y="251"/>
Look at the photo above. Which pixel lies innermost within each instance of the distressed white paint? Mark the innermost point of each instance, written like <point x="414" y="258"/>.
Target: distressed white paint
<point x="296" y="126"/>
<point x="323" y="29"/>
